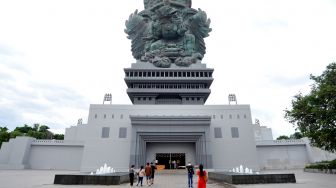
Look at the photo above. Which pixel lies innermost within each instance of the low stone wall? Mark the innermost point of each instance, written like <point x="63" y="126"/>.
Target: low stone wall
<point x="87" y="179"/>
<point x="282" y="154"/>
<point x="325" y="171"/>
<point x="234" y="178"/>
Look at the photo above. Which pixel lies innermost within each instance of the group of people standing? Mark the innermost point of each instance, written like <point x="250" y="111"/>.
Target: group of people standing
<point x="149" y="172"/>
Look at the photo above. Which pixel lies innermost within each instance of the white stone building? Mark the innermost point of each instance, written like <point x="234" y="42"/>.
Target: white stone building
<point x="167" y="122"/>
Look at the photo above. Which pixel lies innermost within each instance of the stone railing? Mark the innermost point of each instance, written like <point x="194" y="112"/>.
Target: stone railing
<point x="57" y="142"/>
<point x="281" y="142"/>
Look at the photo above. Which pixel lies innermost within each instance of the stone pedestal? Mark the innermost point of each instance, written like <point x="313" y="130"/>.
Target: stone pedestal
<point x="87" y="179"/>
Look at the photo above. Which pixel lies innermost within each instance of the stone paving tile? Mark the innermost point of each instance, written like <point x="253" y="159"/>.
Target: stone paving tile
<point x="45" y="178"/>
<point x="178" y="179"/>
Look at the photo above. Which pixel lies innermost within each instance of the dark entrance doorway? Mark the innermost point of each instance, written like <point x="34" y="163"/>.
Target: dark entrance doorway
<point x="171" y="160"/>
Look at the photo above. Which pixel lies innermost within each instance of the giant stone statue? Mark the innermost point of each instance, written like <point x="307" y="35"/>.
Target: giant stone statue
<point x="168" y="31"/>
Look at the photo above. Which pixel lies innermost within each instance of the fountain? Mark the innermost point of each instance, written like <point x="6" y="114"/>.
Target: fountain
<point x="104" y="170"/>
<point x="239" y="175"/>
<point x="241" y="170"/>
<point x="104" y="175"/>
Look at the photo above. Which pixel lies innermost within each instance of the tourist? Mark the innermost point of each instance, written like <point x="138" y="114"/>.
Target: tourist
<point x="152" y="173"/>
<point x="202" y="177"/>
<point x="141" y="174"/>
<point x="131" y="174"/>
<point x="148" y="171"/>
<point x="191" y="172"/>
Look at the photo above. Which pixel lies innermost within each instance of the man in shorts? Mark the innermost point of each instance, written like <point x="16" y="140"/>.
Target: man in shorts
<point x="148" y="170"/>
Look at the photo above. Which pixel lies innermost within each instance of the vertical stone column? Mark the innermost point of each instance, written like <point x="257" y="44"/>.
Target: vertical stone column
<point x="134" y="148"/>
<point x="208" y="151"/>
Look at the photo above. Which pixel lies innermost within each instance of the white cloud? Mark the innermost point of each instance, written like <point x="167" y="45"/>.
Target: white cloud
<point x="58" y="56"/>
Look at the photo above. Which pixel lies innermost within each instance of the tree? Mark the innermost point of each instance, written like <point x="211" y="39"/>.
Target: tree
<point x="25" y="129"/>
<point x="283" y="137"/>
<point x="314" y="114"/>
<point x="36" y="127"/>
<point x="296" y="135"/>
<point x="3" y="129"/>
<point x="43" y="128"/>
<point x="16" y="133"/>
<point x="37" y="135"/>
<point x="36" y="131"/>
<point x="4" y="135"/>
<point x="58" y="136"/>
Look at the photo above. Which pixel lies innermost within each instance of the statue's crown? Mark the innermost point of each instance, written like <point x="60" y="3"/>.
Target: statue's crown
<point x="154" y="3"/>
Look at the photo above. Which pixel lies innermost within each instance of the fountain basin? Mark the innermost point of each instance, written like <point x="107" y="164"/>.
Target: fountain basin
<point x="87" y="179"/>
<point x="238" y="178"/>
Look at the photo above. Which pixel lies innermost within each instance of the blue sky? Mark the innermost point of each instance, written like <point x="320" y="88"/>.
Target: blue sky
<point x="59" y="56"/>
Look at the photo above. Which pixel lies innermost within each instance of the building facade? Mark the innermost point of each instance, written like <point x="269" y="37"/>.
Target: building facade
<point x="167" y="124"/>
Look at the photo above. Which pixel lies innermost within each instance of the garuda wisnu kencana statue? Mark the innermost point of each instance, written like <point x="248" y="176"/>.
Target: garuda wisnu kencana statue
<point x="168" y="31"/>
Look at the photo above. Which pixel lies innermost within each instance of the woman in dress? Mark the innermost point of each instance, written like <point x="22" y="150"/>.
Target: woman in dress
<point x="202" y="177"/>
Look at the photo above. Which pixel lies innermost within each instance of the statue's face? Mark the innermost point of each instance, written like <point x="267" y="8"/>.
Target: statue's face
<point x="169" y="27"/>
<point x="169" y="30"/>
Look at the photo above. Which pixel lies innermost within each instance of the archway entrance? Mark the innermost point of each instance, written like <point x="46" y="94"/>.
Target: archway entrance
<point x="170" y="160"/>
<point x="171" y="134"/>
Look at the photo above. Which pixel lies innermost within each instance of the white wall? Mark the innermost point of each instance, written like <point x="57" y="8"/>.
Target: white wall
<point x="5" y="151"/>
<point x="114" y="152"/>
<point x="282" y="156"/>
<point x="55" y="157"/>
<point x="321" y="155"/>
<point x="231" y="152"/>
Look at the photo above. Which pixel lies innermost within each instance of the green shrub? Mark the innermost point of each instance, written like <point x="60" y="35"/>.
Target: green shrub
<point x="317" y="166"/>
<point x="332" y="164"/>
<point x="323" y="165"/>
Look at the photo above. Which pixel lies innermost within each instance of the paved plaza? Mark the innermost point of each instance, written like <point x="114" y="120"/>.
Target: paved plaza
<point x="177" y="179"/>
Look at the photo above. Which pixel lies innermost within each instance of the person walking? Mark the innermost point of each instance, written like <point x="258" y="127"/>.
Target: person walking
<point x="148" y="171"/>
<point x="152" y="173"/>
<point x="202" y="177"/>
<point x="141" y="174"/>
<point x="131" y="175"/>
<point x="191" y="172"/>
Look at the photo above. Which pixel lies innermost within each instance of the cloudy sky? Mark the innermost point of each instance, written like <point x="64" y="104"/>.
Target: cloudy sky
<point x="59" y="56"/>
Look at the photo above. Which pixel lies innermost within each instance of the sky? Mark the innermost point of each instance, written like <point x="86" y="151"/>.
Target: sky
<point x="59" y="56"/>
